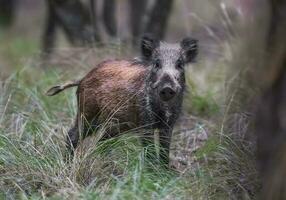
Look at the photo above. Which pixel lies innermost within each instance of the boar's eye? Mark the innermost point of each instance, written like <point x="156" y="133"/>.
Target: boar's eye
<point x="157" y="64"/>
<point x="179" y="64"/>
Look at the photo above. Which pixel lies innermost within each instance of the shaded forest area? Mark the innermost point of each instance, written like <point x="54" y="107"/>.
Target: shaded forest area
<point x="230" y="141"/>
<point x="79" y="20"/>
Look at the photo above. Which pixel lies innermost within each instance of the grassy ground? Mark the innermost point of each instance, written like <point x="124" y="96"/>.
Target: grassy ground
<point x="208" y="163"/>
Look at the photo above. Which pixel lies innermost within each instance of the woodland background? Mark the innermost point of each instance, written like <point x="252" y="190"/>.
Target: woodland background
<point x="229" y="141"/>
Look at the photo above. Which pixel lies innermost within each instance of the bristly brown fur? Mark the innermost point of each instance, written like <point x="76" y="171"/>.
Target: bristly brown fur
<point x="111" y="87"/>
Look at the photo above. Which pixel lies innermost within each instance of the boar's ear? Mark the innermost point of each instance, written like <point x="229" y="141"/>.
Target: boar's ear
<point x="148" y="45"/>
<point x="189" y="49"/>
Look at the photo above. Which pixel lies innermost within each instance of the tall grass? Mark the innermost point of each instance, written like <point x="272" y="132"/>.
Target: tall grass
<point x="33" y="128"/>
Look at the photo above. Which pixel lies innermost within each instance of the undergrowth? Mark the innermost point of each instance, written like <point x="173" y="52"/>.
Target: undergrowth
<point x="32" y="154"/>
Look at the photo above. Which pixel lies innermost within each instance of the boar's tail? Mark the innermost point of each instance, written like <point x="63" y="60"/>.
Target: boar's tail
<point x="59" y="88"/>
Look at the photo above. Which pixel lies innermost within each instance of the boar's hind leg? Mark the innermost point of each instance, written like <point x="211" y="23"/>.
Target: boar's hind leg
<point x="77" y="133"/>
<point x="74" y="135"/>
<point x="72" y="139"/>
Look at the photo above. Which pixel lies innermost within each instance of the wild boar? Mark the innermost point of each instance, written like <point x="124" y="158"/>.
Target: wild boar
<point x="146" y="93"/>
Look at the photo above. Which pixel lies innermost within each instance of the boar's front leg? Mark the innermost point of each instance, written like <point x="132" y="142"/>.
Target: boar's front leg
<point x="148" y="138"/>
<point x="165" y="135"/>
<point x="148" y="143"/>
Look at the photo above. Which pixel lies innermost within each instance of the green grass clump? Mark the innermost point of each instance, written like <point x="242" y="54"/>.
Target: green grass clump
<point x="204" y="105"/>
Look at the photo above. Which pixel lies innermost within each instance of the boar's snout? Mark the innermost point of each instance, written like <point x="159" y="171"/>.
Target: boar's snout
<point x="167" y="93"/>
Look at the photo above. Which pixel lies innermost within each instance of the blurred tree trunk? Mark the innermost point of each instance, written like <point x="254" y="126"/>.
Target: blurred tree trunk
<point x="7" y="9"/>
<point x="158" y="20"/>
<point x="257" y="93"/>
<point x="81" y="27"/>
<point x="94" y="20"/>
<point x="271" y="114"/>
<point x="74" y="18"/>
<point x="49" y="36"/>
<point x="137" y="12"/>
<point x="271" y="131"/>
<point x="77" y="22"/>
<point x="109" y="17"/>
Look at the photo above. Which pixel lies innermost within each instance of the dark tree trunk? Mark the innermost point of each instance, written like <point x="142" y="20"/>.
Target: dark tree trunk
<point x="137" y="12"/>
<point x="158" y="20"/>
<point x="271" y="131"/>
<point x="78" y="23"/>
<point x="271" y="114"/>
<point x="7" y="9"/>
<point x="109" y="17"/>
<point x="49" y="36"/>
<point x="94" y="21"/>
<point x="74" y="18"/>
